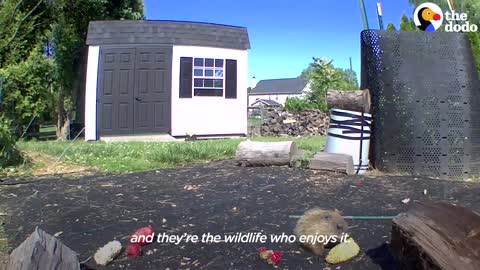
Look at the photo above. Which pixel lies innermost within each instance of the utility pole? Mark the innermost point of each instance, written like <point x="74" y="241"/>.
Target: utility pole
<point x="364" y="15"/>
<point x="380" y="15"/>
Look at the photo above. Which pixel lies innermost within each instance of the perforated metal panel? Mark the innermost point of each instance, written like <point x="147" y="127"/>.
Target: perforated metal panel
<point x="426" y="102"/>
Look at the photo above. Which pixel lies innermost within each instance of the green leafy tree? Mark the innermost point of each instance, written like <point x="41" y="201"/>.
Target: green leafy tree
<point x="348" y="80"/>
<point x="42" y="56"/>
<point x="9" y="154"/>
<point x="323" y="76"/>
<point x="407" y="24"/>
<point x="391" y="27"/>
<point x="23" y="25"/>
<point x="27" y="87"/>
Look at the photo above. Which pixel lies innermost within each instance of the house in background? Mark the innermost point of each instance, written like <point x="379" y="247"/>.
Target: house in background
<point x="277" y="90"/>
<point x="165" y="77"/>
<point x="265" y="103"/>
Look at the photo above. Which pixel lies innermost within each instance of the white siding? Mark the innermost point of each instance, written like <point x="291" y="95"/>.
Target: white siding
<point x="91" y="93"/>
<point x="209" y="115"/>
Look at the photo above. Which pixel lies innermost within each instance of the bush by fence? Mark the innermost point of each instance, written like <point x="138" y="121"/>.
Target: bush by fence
<point x="9" y="154"/>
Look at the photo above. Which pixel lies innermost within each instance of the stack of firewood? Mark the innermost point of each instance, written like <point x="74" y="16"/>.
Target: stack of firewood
<point x="279" y="122"/>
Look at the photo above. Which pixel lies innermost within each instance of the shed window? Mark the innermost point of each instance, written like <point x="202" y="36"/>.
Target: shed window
<point x="208" y="77"/>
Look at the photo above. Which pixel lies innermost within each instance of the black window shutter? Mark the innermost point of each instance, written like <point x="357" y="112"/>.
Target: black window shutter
<point x="231" y="78"/>
<point x="186" y="73"/>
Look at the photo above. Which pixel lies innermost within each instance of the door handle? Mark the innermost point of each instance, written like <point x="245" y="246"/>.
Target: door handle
<point x="138" y="99"/>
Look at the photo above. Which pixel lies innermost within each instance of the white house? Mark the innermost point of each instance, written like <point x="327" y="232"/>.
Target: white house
<point x="277" y="90"/>
<point x="165" y="77"/>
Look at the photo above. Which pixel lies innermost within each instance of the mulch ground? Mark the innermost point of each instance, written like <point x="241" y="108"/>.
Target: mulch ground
<point x="217" y="198"/>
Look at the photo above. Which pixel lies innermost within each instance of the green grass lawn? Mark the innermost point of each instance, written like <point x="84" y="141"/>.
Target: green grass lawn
<point x="138" y="156"/>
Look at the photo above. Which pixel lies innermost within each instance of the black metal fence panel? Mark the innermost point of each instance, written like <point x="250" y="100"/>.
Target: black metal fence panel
<point x="426" y="102"/>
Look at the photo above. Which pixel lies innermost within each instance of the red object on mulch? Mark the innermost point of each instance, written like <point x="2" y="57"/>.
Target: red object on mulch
<point x="133" y="250"/>
<point x="144" y="231"/>
<point x="272" y="257"/>
<point x="275" y="257"/>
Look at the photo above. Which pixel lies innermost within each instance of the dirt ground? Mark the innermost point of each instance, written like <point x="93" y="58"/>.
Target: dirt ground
<point x="217" y="198"/>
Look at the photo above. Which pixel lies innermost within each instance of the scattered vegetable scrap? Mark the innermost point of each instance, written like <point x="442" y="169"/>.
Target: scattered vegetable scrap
<point x="133" y="250"/>
<point x="107" y="253"/>
<point x="272" y="257"/>
<point x="343" y="252"/>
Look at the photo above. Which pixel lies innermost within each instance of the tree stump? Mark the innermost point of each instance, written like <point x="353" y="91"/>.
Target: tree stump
<point x="251" y="153"/>
<point x="332" y="162"/>
<point x="41" y="251"/>
<point x="356" y="100"/>
<point x="437" y="236"/>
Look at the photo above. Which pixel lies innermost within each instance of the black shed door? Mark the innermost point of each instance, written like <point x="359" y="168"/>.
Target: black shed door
<point x="152" y="90"/>
<point x="134" y="91"/>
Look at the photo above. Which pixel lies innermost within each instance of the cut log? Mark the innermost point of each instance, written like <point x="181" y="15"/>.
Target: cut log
<point x="251" y="153"/>
<point x="356" y="100"/>
<point x="41" y="251"/>
<point x="437" y="236"/>
<point x="332" y="162"/>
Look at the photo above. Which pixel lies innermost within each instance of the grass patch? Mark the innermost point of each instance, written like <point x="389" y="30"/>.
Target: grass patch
<point x="140" y="156"/>
<point x="255" y="121"/>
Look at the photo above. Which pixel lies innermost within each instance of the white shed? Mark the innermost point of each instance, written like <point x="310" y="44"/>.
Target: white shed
<point x="166" y="77"/>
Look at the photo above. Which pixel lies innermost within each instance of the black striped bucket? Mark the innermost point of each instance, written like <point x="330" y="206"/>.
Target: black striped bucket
<point x="349" y="133"/>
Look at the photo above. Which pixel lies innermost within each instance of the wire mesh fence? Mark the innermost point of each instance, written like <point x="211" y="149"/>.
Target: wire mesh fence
<point x="256" y="118"/>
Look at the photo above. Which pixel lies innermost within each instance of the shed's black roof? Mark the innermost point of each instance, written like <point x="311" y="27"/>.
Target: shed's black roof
<point x="168" y="33"/>
<point x="280" y="86"/>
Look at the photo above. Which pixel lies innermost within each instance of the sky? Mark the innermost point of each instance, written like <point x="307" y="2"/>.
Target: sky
<point x="285" y="35"/>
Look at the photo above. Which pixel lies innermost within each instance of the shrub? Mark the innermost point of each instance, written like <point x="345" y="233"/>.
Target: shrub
<point x="26" y="89"/>
<point x="9" y="154"/>
<point x="295" y="104"/>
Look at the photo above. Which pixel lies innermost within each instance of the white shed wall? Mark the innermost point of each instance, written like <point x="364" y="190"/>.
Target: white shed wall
<point x="209" y="115"/>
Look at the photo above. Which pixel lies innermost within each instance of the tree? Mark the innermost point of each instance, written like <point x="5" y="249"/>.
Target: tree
<point x="42" y="52"/>
<point x="348" y="80"/>
<point x="407" y="24"/>
<point x="322" y="76"/>
<point x="391" y="27"/>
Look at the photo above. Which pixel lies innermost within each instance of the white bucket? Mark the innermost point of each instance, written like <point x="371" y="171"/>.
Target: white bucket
<point x="347" y="134"/>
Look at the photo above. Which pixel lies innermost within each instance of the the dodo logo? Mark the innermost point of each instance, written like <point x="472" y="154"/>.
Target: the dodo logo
<point x="428" y="17"/>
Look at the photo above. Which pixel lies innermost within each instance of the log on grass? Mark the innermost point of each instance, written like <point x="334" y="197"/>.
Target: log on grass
<point x="437" y="236"/>
<point x="251" y="153"/>
<point x="356" y="100"/>
<point x="332" y="162"/>
<point x="41" y="251"/>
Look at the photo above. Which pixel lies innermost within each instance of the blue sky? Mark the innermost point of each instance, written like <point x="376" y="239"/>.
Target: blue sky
<point x="285" y="35"/>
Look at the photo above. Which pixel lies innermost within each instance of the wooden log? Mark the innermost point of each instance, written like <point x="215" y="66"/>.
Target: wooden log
<point x="41" y="251"/>
<point x="251" y="153"/>
<point x="356" y="100"/>
<point x="333" y="162"/>
<point x="436" y="236"/>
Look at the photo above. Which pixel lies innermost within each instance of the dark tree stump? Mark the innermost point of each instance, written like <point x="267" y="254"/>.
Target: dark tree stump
<point x="41" y="251"/>
<point x="357" y="100"/>
<point x="437" y="236"/>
